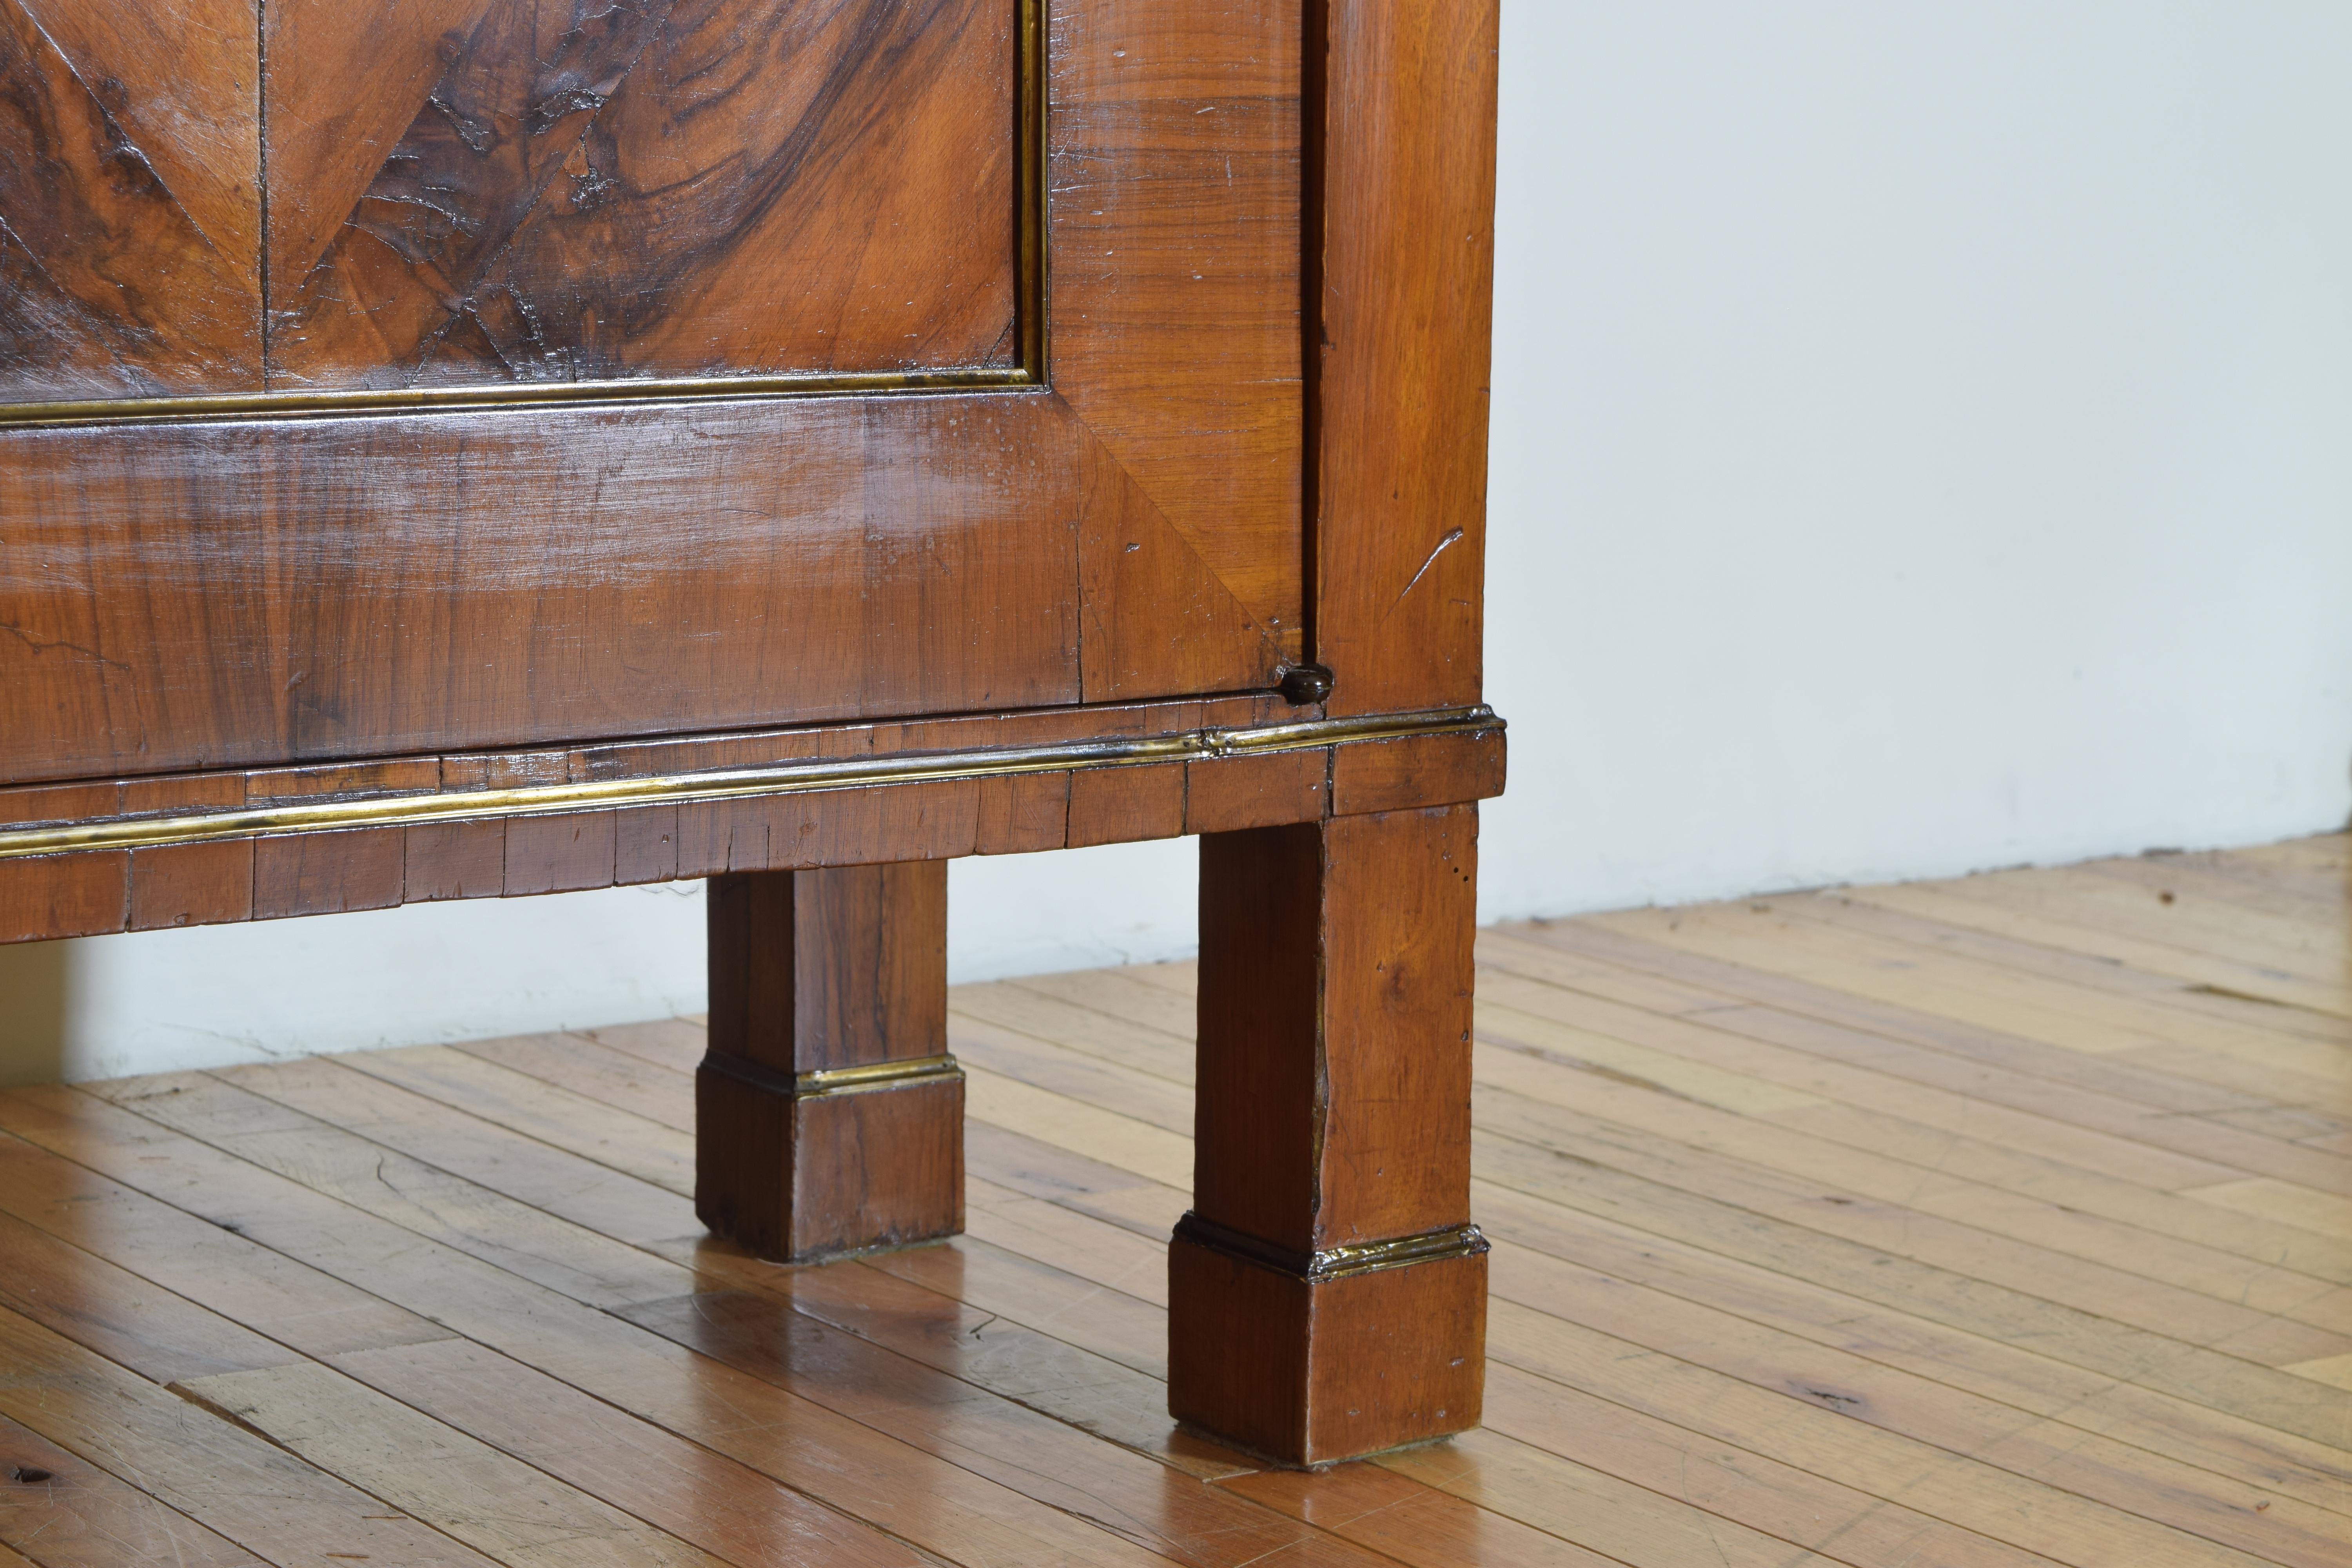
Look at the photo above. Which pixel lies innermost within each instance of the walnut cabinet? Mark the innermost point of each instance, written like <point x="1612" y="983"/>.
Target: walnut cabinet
<point x="470" y="448"/>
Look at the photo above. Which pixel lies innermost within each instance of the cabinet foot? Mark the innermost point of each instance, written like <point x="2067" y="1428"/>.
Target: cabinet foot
<point x="1328" y="1292"/>
<point x="829" y="1116"/>
<point x="1323" y="1357"/>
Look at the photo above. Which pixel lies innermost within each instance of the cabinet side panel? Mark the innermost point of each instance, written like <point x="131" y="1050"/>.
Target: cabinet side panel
<point x="1408" y="307"/>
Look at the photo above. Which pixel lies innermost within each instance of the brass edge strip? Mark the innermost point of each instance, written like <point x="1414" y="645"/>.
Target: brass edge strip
<point x="570" y="393"/>
<point x="825" y="1081"/>
<point x="875" y="1075"/>
<point x="1034" y="147"/>
<point x="1337" y="1262"/>
<point x="1032" y="151"/>
<point x="780" y="778"/>
<point x="1369" y="1257"/>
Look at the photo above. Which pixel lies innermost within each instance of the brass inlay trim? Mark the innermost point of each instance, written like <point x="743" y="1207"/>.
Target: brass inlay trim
<point x="576" y="393"/>
<point x="1033" y="251"/>
<point x="1337" y="1262"/>
<point x="823" y="1081"/>
<point x="875" y="1075"/>
<point x="771" y="779"/>
<point x="1369" y="1257"/>
<point x="1035" y="192"/>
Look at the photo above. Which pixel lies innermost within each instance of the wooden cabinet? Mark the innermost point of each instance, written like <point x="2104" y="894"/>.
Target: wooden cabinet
<point x="481" y="448"/>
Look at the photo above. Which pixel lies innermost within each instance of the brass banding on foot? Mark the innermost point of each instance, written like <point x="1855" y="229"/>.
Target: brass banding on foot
<point x="1337" y="1262"/>
<point x="875" y="1075"/>
<point x="822" y="1082"/>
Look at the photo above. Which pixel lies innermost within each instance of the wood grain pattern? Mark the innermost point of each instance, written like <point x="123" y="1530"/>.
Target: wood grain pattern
<point x="1175" y="171"/>
<point x="814" y="970"/>
<point x="84" y="1517"/>
<point x="178" y="78"/>
<point x="1155" y="618"/>
<point x="64" y="895"/>
<point x="1313" y="1372"/>
<point x="1025" y="813"/>
<point x="238" y="1485"/>
<point x="811" y="971"/>
<point x="560" y="854"/>
<point x="1334" y="1026"/>
<point x="121" y="1317"/>
<point x="130" y="212"/>
<point x="71" y="802"/>
<point x="1333" y="1108"/>
<point x="1225" y="794"/>
<point x="199" y="595"/>
<point x="1407" y="304"/>
<point x="1419" y="770"/>
<point x="829" y="827"/>
<point x="363" y="76"/>
<point x="1121" y="805"/>
<point x="825" y="1437"/>
<point x="194" y="1260"/>
<point x="738" y="187"/>
<point x="496" y="1504"/>
<point x="175" y="885"/>
<point x="468" y="191"/>
<point x="328" y="873"/>
<point x="644" y="844"/>
<point x="1183" y="1522"/>
<point x="717" y="1504"/>
<point x="452" y="860"/>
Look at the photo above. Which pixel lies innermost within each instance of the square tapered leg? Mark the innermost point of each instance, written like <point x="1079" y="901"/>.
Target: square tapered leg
<point x="829" y="1113"/>
<point x="1328" y="1292"/>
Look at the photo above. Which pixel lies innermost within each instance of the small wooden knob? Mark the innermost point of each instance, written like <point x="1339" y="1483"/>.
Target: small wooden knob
<point x="1305" y="683"/>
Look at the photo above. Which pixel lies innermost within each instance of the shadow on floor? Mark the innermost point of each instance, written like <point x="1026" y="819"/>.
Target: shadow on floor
<point x="34" y="978"/>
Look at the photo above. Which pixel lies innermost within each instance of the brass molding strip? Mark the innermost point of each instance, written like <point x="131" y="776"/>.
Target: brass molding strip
<point x="1337" y="1262"/>
<point x="569" y="394"/>
<point x="875" y="1075"/>
<point x="825" y="1081"/>
<point x="1035" y="192"/>
<point x="1032" y="249"/>
<point x="1369" y="1257"/>
<point x="732" y="783"/>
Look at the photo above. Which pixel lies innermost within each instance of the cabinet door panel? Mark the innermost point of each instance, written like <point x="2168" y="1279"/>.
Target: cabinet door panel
<point x="475" y="309"/>
<point x="234" y="594"/>
<point x="591" y="192"/>
<point x="130" y="214"/>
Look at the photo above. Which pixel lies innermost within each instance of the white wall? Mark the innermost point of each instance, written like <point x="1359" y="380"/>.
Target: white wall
<point x="1923" y="438"/>
<point x="1923" y="441"/>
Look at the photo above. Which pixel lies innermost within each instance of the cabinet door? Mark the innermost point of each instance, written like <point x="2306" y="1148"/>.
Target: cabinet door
<point x="379" y="379"/>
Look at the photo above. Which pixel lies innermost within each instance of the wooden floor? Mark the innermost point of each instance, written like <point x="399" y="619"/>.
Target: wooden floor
<point x="1989" y="1222"/>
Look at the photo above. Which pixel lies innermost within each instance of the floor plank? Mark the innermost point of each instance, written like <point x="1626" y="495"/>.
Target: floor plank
<point x="2040" y="1487"/>
<point x="1951" y="1297"/>
<point x="497" y="1505"/>
<point x="1816" y="1152"/>
<point x="77" y="1515"/>
<point x="832" y="1457"/>
<point x="1641" y="1286"/>
<point x="238" y="1485"/>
